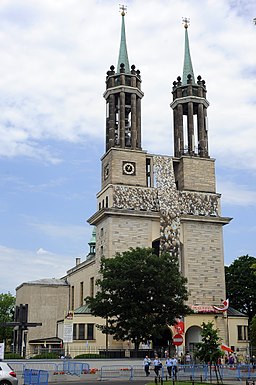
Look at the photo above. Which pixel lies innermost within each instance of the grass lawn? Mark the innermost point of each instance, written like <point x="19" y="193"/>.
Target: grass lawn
<point x="181" y="383"/>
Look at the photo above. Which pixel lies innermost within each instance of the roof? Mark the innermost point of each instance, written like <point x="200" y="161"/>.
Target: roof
<point x="235" y="313"/>
<point x="46" y="282"/>
<point x="187" y="66"/>
<point x="54" y="340"/>
<point x="83" y="310"/>
<point x="123" y="54"/>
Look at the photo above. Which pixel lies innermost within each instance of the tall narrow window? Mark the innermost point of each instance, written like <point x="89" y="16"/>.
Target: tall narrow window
<point x="74" y="331"/>
<point x="81" y="331"/>
<point x="148" y="172"/>
<point x="81" y="293"/>
<point x="72" y="297"/>
<point x="90" y="332"/>
<point x="92" y="287"/>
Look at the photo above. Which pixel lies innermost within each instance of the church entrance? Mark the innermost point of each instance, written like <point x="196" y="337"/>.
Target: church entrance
<point x="163" y="343"/>
<point x="193" y="336"/>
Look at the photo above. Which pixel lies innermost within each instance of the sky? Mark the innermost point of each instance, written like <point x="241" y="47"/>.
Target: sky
<point x="54" y="59"/>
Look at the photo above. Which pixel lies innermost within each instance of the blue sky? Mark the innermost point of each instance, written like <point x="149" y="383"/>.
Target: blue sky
<point x="54" y="58"/>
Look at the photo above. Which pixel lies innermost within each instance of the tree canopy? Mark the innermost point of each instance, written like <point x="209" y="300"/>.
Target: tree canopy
<point x="240" y="285"/>
<point x="7" y="303"/>
<point x="253" y="332"/>
<point x="208" y="350"/>
<point x="139" y="294"/>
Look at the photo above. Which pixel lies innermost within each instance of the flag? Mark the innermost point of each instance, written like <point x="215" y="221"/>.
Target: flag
<point x="226" y="348"/>
<point x="224" y="307"/>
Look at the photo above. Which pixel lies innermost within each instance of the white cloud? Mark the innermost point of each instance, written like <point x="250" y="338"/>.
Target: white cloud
<point x="31" y="266"/>
<point x="55" y="54"/>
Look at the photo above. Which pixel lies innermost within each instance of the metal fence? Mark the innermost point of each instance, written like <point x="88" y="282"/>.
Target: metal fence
<point x="35" y="377"/>
<point x="185" y="372"/>
<point x="129" y="371"/>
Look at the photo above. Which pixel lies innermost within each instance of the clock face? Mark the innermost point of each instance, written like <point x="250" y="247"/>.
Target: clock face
<point x="129" y="168"/>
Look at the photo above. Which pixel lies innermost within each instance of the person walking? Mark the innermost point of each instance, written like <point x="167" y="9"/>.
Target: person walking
<point x="169" y="365"/>
<point x="157" y="365"/>
<point x="147" y="362"/>
<point x="174" y="367"/>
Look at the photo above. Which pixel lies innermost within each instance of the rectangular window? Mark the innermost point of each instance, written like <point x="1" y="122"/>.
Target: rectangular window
<point x="90" y="332"/>
<point x="74" y="331"/>
<point x="81" y="331"/>
<point x="92" y="287"/>
<point x="81" y="293"/>
<point x="72" y="297"/>
<point x="148" y="172"/>
<point x="239" y="332"/>
<point x="242" y="333"/>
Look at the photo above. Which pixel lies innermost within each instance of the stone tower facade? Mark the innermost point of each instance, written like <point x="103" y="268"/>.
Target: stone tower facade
<point x="166" y="202"/>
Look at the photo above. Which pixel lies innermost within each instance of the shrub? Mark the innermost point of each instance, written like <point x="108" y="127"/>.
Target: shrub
<point x="14" y="356"/>
<point x="50" y="355"/>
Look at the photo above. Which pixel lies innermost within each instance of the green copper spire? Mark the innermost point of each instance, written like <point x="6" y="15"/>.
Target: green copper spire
<point x="123" y="55"/>
<point x="187" y="67"/>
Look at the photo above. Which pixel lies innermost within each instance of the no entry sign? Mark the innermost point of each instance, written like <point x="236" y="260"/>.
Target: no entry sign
<point x="177" y="340"/>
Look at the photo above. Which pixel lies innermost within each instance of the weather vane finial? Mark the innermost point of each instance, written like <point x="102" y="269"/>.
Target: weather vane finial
<point x="186" y="22"/>
<point x="122" y="9"/>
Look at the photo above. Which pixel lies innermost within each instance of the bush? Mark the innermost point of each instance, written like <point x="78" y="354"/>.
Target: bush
<point x="50" y="355"/>
<point x="15" y="356"/>
<point x="88" y="355"/>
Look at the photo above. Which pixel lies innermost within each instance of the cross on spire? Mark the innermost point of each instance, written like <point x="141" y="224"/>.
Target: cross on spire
<point x="122" y="9"/>
<point x="186" y="22"/>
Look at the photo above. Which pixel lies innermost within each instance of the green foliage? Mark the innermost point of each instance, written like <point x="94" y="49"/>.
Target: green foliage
<point x="240" y="285"/>
<point x="208" y="351"/>
<point x="253" y="332"/>
<point x="7" y="303"/>
<point x="140" y="293"/>
<point x="88" y="355"/>
<point x="43" y="356"/>
<point x="12" y="356"/>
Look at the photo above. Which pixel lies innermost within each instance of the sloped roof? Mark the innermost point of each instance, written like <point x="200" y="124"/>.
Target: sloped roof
<point x="46" y="282"/>
<point x="83" y="310"/>
<point x="235" y="313"/>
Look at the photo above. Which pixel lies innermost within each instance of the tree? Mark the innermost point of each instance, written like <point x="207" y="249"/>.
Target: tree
<point x="240" y="285"/>
<point x="208" y="351"/>
<point x="253" y="332"/>
<point x="139" y="294"/>
<point x="7" y="303"/>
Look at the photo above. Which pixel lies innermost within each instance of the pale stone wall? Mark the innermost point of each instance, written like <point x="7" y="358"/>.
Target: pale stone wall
<point x="117" y="233"/>
<point x="46" y="304"/>
<point x="196" y="174"/>
<point x="218" y="320"/>
<point x="115" y="158"/>
<point x="81" y="274"/>
<point x="202" y="261"/>
<point x="233" y="323"/>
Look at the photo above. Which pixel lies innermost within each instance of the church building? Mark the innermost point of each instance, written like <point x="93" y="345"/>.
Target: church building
<point x="169" y="203"/>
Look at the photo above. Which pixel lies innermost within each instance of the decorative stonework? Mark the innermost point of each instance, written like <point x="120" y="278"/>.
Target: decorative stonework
<point x="193" y="203"/>
<point x="135" y="198"/>
<point x="168" y="204"/>
<point x="166" y="199"/>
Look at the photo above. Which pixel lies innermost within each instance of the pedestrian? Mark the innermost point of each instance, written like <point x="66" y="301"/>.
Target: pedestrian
<point x="147" y="362"/>
<point x="157" y="365"/>
<point x="169" y="365"/>
<point x="174" y="367"/>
